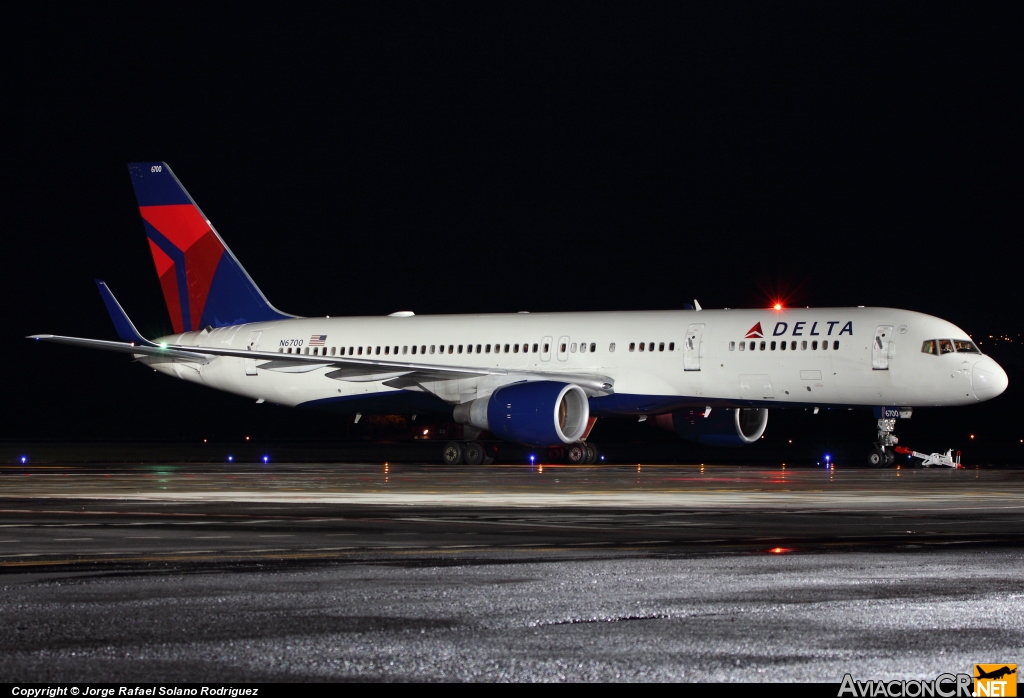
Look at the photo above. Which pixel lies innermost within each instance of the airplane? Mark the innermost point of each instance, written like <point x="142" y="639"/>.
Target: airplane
<point x="995" y="673"/>
<point x="535" y="379"/>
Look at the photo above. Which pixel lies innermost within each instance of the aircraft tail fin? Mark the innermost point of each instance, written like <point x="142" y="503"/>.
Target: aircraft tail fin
<point x="202" y="281"/>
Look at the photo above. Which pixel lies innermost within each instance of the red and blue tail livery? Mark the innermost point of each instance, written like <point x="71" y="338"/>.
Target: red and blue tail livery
<point x="203" y="283"/>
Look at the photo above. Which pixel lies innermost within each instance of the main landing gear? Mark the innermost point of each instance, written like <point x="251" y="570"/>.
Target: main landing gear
<point x="468" y="452"/>
<point x="477" y="453"/>
<point x="581" y="452"/>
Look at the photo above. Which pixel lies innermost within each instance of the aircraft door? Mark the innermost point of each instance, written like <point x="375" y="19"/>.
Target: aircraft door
<point x="253" y="345"/>
<point x="880" y="348"/>
<point x="692" y="346"/>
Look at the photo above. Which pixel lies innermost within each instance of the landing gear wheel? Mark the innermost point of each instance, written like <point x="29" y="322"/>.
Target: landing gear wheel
<point x="452" y="453"/>
<point x="575" y="453"/>
<point x="592" y="452"/>
<point x="473" y="453"/>
<point x="876" y="459"/>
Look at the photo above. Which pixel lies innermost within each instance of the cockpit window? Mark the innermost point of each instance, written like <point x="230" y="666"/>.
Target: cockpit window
<point x="966" y="346"/>
<point x="929" y="347"/>
<point x="945" y="346"/>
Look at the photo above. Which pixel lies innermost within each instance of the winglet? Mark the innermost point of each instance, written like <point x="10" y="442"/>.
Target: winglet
<point x="125" y="329"/>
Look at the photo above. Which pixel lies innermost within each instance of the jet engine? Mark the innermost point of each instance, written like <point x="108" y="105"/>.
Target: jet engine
<point x="721" y="427"/>
<point x="535" y="413"/>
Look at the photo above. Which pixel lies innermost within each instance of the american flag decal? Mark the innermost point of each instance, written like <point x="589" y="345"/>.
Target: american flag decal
<point x="317" y="340"/>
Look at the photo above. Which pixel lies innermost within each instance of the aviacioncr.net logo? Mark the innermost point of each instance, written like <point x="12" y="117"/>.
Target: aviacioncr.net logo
<point x="942" y="686"/>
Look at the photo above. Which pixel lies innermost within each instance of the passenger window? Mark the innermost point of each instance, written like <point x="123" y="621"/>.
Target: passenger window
<point x="661" y="346"/>
<point x="469" y="349"/>
<point x="732" y="346"/>
<point x="423" y="349"/>
<point x="387" y="350"/>
<point x="460" y="348"/>
<point x="572" y="347"/>
<point x="451" y="348"/>
<point x="642" y="346"/>
<point x="632" y="346"/>
<point x="535" y="348"/>
<point x="547" y="348"/>
<point x="431" y="348"/>
<point x="515" y="348"/>
<point x="413" y="348"/>
<point x="611" y="347"/>
<point x="593" y="346"/>
<point x="773" y="346"/>
<point x="526" y="348"/>
<point x="671" y="346"/>
<point x="562" y="349"/>
<point x="506" y="348"/>
<point x="477" y="348"/>
<point x="583" y="347"/>
<point x="762" y="346"/>
<point x="782" y="346"/>
<point x="650" y="347"/>
<point x="835" y="345"/>
<point x="742" y="345"/>
<point x="803" y="344"/>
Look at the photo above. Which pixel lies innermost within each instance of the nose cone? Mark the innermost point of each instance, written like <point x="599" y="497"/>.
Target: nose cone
<point x="989" y="379"/>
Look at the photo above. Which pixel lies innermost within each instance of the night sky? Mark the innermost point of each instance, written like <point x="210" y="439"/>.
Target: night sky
<point x="469" y="158"/>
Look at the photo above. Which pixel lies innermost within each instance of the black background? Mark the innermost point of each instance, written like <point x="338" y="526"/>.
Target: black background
<point x="449" y="158"/>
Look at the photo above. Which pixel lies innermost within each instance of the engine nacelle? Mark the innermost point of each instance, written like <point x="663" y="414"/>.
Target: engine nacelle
<point x="722" y="427"/>
<point x="535" y="413"/>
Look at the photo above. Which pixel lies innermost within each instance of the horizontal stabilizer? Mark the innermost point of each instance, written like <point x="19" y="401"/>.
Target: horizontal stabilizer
<point x="148" y="349"/>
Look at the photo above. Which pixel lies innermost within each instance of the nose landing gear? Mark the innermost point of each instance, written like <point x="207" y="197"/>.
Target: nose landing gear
<point x="883" y="454"/>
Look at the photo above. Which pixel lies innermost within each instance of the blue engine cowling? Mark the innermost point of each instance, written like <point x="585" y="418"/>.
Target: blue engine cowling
<point x="535" y="413"/>
<point x="721" y="427"/>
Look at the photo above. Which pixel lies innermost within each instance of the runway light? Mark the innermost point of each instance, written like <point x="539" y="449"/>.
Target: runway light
<point x="780" y="551"/>
<point x="266" y="459"/>
<point x="247" y="437"/>
<point x="24" y="459"/>
<point x="231" y="459"/>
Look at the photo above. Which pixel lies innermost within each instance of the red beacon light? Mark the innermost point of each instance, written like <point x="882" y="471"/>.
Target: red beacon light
<point x="777" y="306"/>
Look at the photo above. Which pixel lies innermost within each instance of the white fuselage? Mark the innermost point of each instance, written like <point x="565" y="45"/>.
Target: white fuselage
<point x="656" y="360"/>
